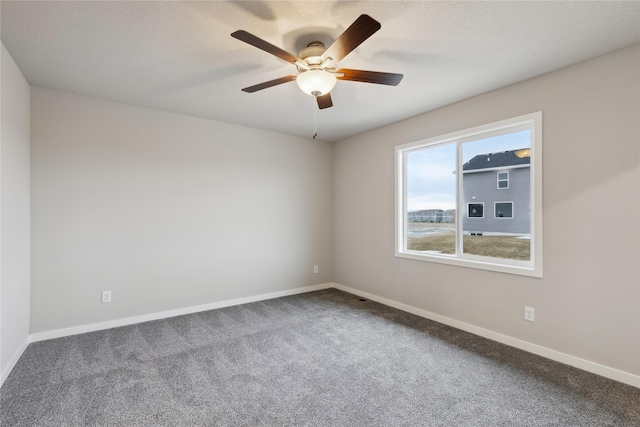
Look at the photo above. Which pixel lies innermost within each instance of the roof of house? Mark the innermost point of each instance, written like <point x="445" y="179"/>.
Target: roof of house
<point x="499" y="160"/>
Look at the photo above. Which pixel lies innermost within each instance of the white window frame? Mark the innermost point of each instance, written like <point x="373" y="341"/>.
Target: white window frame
<point x="533" y="267"/>
<point x="475" y="203"/>
<point x="502" y="180"/>
<point x="504" y="217"/>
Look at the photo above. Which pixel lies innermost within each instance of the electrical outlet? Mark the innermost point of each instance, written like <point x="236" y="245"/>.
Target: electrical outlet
<point x="106" y="296"/>
<point x="529" y="314"/>
<point x="315" y="268"/>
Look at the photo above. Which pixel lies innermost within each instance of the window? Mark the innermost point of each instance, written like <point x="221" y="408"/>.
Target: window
<point x="475" y="210"/>
<point x="503" y="179"/>
<point x="503" y="210"/>
<point x="444" y="183"/>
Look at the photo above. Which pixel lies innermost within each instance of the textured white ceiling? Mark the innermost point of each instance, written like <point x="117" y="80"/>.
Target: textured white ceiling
<point x="180" y="57"/>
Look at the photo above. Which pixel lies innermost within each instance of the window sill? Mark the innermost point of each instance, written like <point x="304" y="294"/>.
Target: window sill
<point x="521" y="268"/>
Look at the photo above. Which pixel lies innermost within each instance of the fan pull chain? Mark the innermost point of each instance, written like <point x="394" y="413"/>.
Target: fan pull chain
<point x="315" y="118"/>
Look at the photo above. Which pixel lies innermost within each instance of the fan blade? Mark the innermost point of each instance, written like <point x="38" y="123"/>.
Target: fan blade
<point x="266" y="46"/>
<point x="390" y="79"/>
<point x="269" y="84"/>
<point x="324" y="101"/>
<point x="359" y="31"/>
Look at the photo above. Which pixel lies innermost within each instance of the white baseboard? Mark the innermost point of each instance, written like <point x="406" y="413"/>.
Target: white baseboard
<point x="585" y="365"/>
<point x="595" y="368"/>
<point x="58" y="333"/>
<point x="13" y="361"/>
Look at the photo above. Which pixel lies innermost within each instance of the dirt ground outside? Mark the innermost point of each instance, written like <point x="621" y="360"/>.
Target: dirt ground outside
<point x="440" y="237"/>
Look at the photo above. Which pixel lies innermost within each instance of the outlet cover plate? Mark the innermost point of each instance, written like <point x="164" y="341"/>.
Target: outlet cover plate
<point x="106" y="296"/>
<point x="529" y="314"/>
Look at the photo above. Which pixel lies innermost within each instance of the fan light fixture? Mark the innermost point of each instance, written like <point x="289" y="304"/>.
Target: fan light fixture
<point x="316" y="82"/>
<point x="525" y="152"/>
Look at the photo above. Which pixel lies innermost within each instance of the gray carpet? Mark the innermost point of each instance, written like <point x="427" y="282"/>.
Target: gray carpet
<point x="323" y="358"/>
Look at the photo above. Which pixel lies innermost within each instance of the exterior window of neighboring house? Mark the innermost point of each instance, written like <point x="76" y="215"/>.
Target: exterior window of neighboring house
<point x="503" y="210"/>
<point x="503" y="180"/>
<point x="475" y="210"/>
<point x="445" y="182"/>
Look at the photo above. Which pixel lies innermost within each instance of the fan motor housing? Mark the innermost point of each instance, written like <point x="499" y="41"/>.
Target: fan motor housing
<point x="312" y="55"/>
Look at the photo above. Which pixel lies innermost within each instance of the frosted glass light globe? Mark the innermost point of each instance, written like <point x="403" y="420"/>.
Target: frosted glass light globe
<point x="316" y="82"/>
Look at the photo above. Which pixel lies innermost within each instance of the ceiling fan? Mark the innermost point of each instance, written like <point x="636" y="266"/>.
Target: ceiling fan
<point x="316" y="64"/>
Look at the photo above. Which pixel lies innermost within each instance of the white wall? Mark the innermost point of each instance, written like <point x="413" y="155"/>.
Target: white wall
<point x="14" y="215"/>
<point x="167" y="211"/>
<point x="588" y="303"/>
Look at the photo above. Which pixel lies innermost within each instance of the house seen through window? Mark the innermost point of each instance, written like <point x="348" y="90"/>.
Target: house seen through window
<point x="473" y="198"/>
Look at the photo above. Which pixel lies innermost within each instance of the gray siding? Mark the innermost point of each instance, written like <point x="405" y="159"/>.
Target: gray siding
<point x="483" y="186"/>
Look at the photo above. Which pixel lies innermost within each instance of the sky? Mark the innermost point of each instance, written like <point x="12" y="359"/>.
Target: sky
<point x="431" y="183"/>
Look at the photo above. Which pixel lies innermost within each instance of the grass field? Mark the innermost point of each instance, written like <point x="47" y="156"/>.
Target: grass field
<point x="508" y="247"/>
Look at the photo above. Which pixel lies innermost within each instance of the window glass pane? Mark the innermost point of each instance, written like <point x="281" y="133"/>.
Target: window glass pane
<point x="476" y="210"/>
<point x="490" y="235"/>
<point x="504" y="210"/>
<point x="431" y="199"/>
<point x="503" y="179"/>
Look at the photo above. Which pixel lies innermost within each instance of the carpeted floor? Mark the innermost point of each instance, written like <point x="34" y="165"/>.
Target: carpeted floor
<point x="324" y="358"/>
